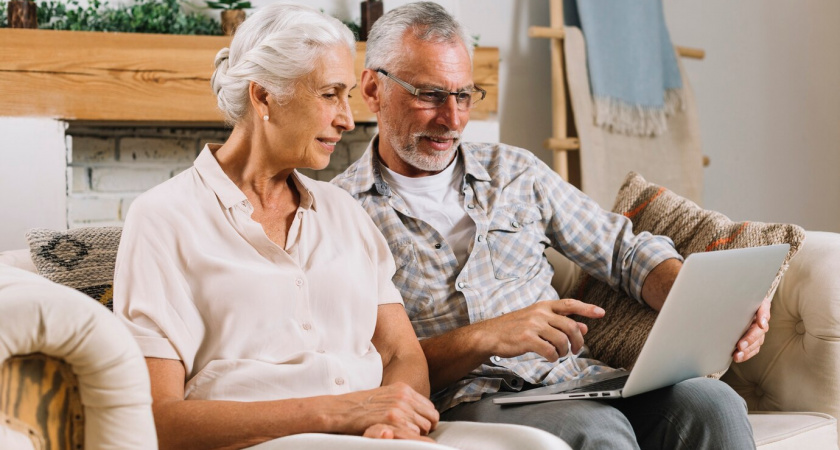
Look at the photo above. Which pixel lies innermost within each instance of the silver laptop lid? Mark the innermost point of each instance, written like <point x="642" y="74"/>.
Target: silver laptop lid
<point x="711" y="305"/>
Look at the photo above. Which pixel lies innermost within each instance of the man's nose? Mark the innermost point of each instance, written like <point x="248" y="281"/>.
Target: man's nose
<point x="449" y="114"/>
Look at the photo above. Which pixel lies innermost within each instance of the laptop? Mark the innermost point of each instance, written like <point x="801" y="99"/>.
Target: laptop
<point x="710" y="306"/>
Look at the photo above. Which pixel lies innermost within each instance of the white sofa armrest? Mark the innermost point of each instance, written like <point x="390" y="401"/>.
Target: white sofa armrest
<point x="798" y="367"/>
<point x="39" y="316"/>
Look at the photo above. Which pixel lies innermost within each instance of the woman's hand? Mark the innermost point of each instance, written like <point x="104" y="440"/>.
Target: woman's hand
<point x="382" y="431"/>
<point x="395" y="411"/>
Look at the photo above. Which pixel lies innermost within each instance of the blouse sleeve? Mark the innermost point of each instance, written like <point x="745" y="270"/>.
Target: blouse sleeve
<point x="152" y="296"/>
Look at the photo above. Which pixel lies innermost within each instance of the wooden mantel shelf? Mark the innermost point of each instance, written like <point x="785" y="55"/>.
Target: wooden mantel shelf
<point x="125" y="77"/>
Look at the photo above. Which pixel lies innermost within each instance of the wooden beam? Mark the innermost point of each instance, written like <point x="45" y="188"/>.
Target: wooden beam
<point x="558" y="90"/>
<point x="124" y="77"/>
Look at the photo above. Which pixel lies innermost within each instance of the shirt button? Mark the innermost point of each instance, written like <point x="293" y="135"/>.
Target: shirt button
<point x="299" y="282"/>
<point x="496" y="359"/>
<point x="339" y="381"/>
<point x="462" y="285"/>
<point x="515" y="224"/>
<point x="480" y="238"/>
<point x="307" y="326"/>
<point x="471" y="206"/>
<point x="438" y="246"/>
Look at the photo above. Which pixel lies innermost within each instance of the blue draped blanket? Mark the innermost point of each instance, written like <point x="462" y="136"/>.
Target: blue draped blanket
<point x="632" y="65"/>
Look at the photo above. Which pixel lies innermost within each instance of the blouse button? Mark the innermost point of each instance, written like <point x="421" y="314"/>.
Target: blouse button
<point x="339" y="381"/>
<point x="307" y="326"/>
<point x="299" y="282"/>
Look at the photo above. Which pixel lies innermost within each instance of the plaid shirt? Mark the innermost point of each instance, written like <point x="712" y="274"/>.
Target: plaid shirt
<point x="519" y="206"/>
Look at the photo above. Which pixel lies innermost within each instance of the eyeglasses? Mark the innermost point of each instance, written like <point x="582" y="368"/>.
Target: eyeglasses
<point x="435" y="98"/>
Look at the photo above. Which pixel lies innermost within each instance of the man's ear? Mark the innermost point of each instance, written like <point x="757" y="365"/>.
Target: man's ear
<point x="259" y="98"/>
<point x="371" y="91"/>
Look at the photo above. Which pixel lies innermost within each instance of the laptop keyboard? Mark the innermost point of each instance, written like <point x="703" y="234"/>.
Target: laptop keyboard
<point x="606" y="385"/>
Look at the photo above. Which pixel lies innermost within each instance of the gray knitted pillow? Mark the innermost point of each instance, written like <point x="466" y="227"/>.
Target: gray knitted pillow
<point x="81" y="258"/>
<point x="617" y="338"/>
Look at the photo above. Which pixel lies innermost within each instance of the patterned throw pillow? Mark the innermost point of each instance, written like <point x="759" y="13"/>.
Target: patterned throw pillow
<point x="617" y="338"/>
<point x="81" y="258"/>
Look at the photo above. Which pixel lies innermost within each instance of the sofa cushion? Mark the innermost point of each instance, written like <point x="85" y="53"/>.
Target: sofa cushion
<point x="793" y="430"/>
<point x="617" y="338"/>
<point x="20" y="258"/>
<point x="82" y="258"/>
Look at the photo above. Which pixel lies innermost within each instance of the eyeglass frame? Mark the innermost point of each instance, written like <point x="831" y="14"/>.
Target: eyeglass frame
<point x="417" y="91"/>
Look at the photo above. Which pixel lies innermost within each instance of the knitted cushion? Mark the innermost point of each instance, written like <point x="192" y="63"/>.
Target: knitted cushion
<point x="618" y="337"/>
<point x="81" y="258"/>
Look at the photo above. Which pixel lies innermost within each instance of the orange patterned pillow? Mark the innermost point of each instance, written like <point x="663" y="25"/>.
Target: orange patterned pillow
<point x="617" y="338"/>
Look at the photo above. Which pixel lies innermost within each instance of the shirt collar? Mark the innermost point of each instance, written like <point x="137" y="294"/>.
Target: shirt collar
<point x="228" y="192"/>
<point x="472" y="167"/>
<point x="368" y="170"/>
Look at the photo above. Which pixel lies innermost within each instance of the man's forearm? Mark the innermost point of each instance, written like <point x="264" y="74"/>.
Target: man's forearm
<point x="659" y="281"/>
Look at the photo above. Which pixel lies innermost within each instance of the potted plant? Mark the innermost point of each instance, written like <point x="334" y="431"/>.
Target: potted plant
<point x="22" y="14"/>
<point x="232" y="14"/>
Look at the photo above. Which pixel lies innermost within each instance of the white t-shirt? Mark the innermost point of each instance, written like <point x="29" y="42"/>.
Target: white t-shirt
<point x="199" y="281"/>
<point x="439" y="200"/>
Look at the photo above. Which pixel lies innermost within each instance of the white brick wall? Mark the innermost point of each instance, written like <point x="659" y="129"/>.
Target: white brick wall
<point x="108" y="167"/>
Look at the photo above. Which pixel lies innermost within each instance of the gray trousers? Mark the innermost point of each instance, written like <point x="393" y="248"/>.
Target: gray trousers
<point x="697" y="413"/>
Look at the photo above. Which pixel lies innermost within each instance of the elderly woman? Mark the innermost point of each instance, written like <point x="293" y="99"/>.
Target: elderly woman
<point x="262" y="299"/>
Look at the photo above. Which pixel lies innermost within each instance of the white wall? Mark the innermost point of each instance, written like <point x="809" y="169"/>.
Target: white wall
<point x="33" y="184"/>
<point x="768" y="95"/>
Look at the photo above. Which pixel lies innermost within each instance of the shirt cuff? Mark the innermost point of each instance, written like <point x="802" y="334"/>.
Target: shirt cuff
<point x="656" y="249"/>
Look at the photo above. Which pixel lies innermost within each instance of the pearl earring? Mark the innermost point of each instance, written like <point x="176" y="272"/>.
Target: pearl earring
<point x="265" y="117"/>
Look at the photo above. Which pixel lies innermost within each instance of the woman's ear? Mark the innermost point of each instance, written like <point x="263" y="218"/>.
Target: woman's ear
<point x="371" y="91"/>
<point x="259" y="99"/>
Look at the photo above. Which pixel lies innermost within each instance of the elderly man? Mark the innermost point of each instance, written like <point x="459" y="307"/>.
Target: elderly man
<point x="468" y="223"/>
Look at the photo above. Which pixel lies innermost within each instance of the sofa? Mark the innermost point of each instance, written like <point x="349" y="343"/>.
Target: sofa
<point x="72" y="377"/>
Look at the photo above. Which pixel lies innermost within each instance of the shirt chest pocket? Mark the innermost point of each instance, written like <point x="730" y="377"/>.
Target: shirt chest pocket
<point x="515" y="240"/>
<point x="410" y="280"/>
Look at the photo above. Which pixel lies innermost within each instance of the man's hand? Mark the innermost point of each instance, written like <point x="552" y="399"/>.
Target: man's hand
<point x="543" y="327"/>
<point x="399" y="410"/>
<point x="751" y="342"/>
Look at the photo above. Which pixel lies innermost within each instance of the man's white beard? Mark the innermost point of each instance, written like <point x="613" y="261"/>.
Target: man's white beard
<point x="435" y="162"/>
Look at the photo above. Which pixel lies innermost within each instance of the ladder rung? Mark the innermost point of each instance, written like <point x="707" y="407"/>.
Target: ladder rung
<point x="688" y="52"/>
<point x="562" y="144"/>
<point x="547" y="32"/>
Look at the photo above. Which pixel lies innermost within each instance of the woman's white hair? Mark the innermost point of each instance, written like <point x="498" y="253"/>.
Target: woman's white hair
<point x="274" y="48"/>
<point x="426" y="20"/>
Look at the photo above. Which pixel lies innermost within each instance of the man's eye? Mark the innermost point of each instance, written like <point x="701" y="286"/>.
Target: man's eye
<point x="430" y="96"/>
<point x="463" y="97"/>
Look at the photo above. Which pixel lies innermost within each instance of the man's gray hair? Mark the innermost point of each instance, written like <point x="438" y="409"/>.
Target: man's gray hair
<point x="426" y="20"/>
<point x="274" y="48"/>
